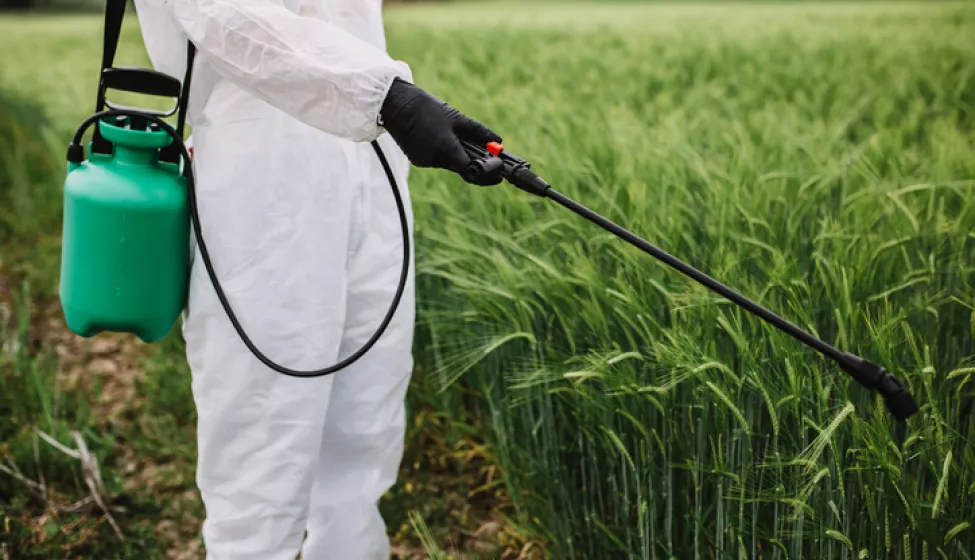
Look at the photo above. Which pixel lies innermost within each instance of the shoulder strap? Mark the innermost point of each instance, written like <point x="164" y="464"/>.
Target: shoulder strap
<point x="114" y="15"/>
<point x="172" y="152"/>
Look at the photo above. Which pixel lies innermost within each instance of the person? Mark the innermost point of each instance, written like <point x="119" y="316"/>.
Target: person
<point x="305" y="239"/>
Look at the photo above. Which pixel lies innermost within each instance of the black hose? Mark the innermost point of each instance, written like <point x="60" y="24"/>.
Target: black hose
<point x="76" y="155"/>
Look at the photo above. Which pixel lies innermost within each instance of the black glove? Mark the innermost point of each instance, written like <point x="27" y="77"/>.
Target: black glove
<point x="430" y="131"/>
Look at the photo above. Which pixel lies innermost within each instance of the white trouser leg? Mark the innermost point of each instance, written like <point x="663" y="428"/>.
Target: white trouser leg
<point x="362" y="444"/>
<point x="275" y="206"/>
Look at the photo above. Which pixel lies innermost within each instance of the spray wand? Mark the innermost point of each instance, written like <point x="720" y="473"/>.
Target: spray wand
<point x="494" y="159"/>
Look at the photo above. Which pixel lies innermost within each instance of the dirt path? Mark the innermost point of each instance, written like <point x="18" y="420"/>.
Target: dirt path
<point x="106" y="369"/>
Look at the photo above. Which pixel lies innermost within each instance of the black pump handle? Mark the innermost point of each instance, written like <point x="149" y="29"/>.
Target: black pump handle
<point x="140" y="80"/>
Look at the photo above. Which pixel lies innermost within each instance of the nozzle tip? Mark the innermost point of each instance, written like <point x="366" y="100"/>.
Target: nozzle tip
<point x="901" y="405"/>
<point x="873" y="376"/>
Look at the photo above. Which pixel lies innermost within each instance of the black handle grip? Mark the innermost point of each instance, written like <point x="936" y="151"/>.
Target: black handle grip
<point x="138" y="80"/>
<point x="141" y="80"/>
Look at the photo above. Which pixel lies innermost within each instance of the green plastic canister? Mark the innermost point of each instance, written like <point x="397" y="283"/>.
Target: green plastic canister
<point x="125" y="246"/>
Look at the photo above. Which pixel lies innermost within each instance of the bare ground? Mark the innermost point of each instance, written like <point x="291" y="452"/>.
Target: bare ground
<point x="453" y="490"/>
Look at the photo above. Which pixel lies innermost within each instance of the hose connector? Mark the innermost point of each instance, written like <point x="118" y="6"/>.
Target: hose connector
<point x="526" y="180"/>
<point x="76" y="153"/>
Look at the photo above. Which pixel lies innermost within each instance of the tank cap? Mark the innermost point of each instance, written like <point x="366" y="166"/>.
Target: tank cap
<point x="134" y="137"/>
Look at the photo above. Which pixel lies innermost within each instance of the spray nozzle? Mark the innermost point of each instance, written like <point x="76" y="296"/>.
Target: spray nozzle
<point x="873" y="376"/>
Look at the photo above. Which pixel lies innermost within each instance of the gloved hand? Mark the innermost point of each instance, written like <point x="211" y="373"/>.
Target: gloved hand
<point x="430" y="131"/>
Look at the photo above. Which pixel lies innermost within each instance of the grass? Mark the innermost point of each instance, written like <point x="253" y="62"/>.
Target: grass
<point x="817" y="156"/>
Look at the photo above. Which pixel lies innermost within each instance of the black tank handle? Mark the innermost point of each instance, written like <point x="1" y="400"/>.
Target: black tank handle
<point x="139" y="80"/>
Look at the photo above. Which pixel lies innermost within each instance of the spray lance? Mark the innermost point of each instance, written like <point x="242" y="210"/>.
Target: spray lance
<point x="493" y="159"/>
<point x="128" y="206"/>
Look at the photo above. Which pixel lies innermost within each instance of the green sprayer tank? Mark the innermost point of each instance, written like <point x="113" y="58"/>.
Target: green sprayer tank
<point x="125" y="253"/>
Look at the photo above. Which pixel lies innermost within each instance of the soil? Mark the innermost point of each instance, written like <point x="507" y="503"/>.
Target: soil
<point x="457" y="491"/>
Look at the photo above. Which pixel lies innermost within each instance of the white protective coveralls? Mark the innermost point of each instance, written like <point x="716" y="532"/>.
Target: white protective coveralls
<point x="305" y="238"/>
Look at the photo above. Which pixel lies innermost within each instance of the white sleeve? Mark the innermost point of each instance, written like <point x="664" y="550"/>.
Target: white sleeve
<point x="311" y="69"/>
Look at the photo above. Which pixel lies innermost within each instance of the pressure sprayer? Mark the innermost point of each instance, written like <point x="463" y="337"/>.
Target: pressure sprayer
<point x="125" y="256"/>
<point x="125" y="244"/>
